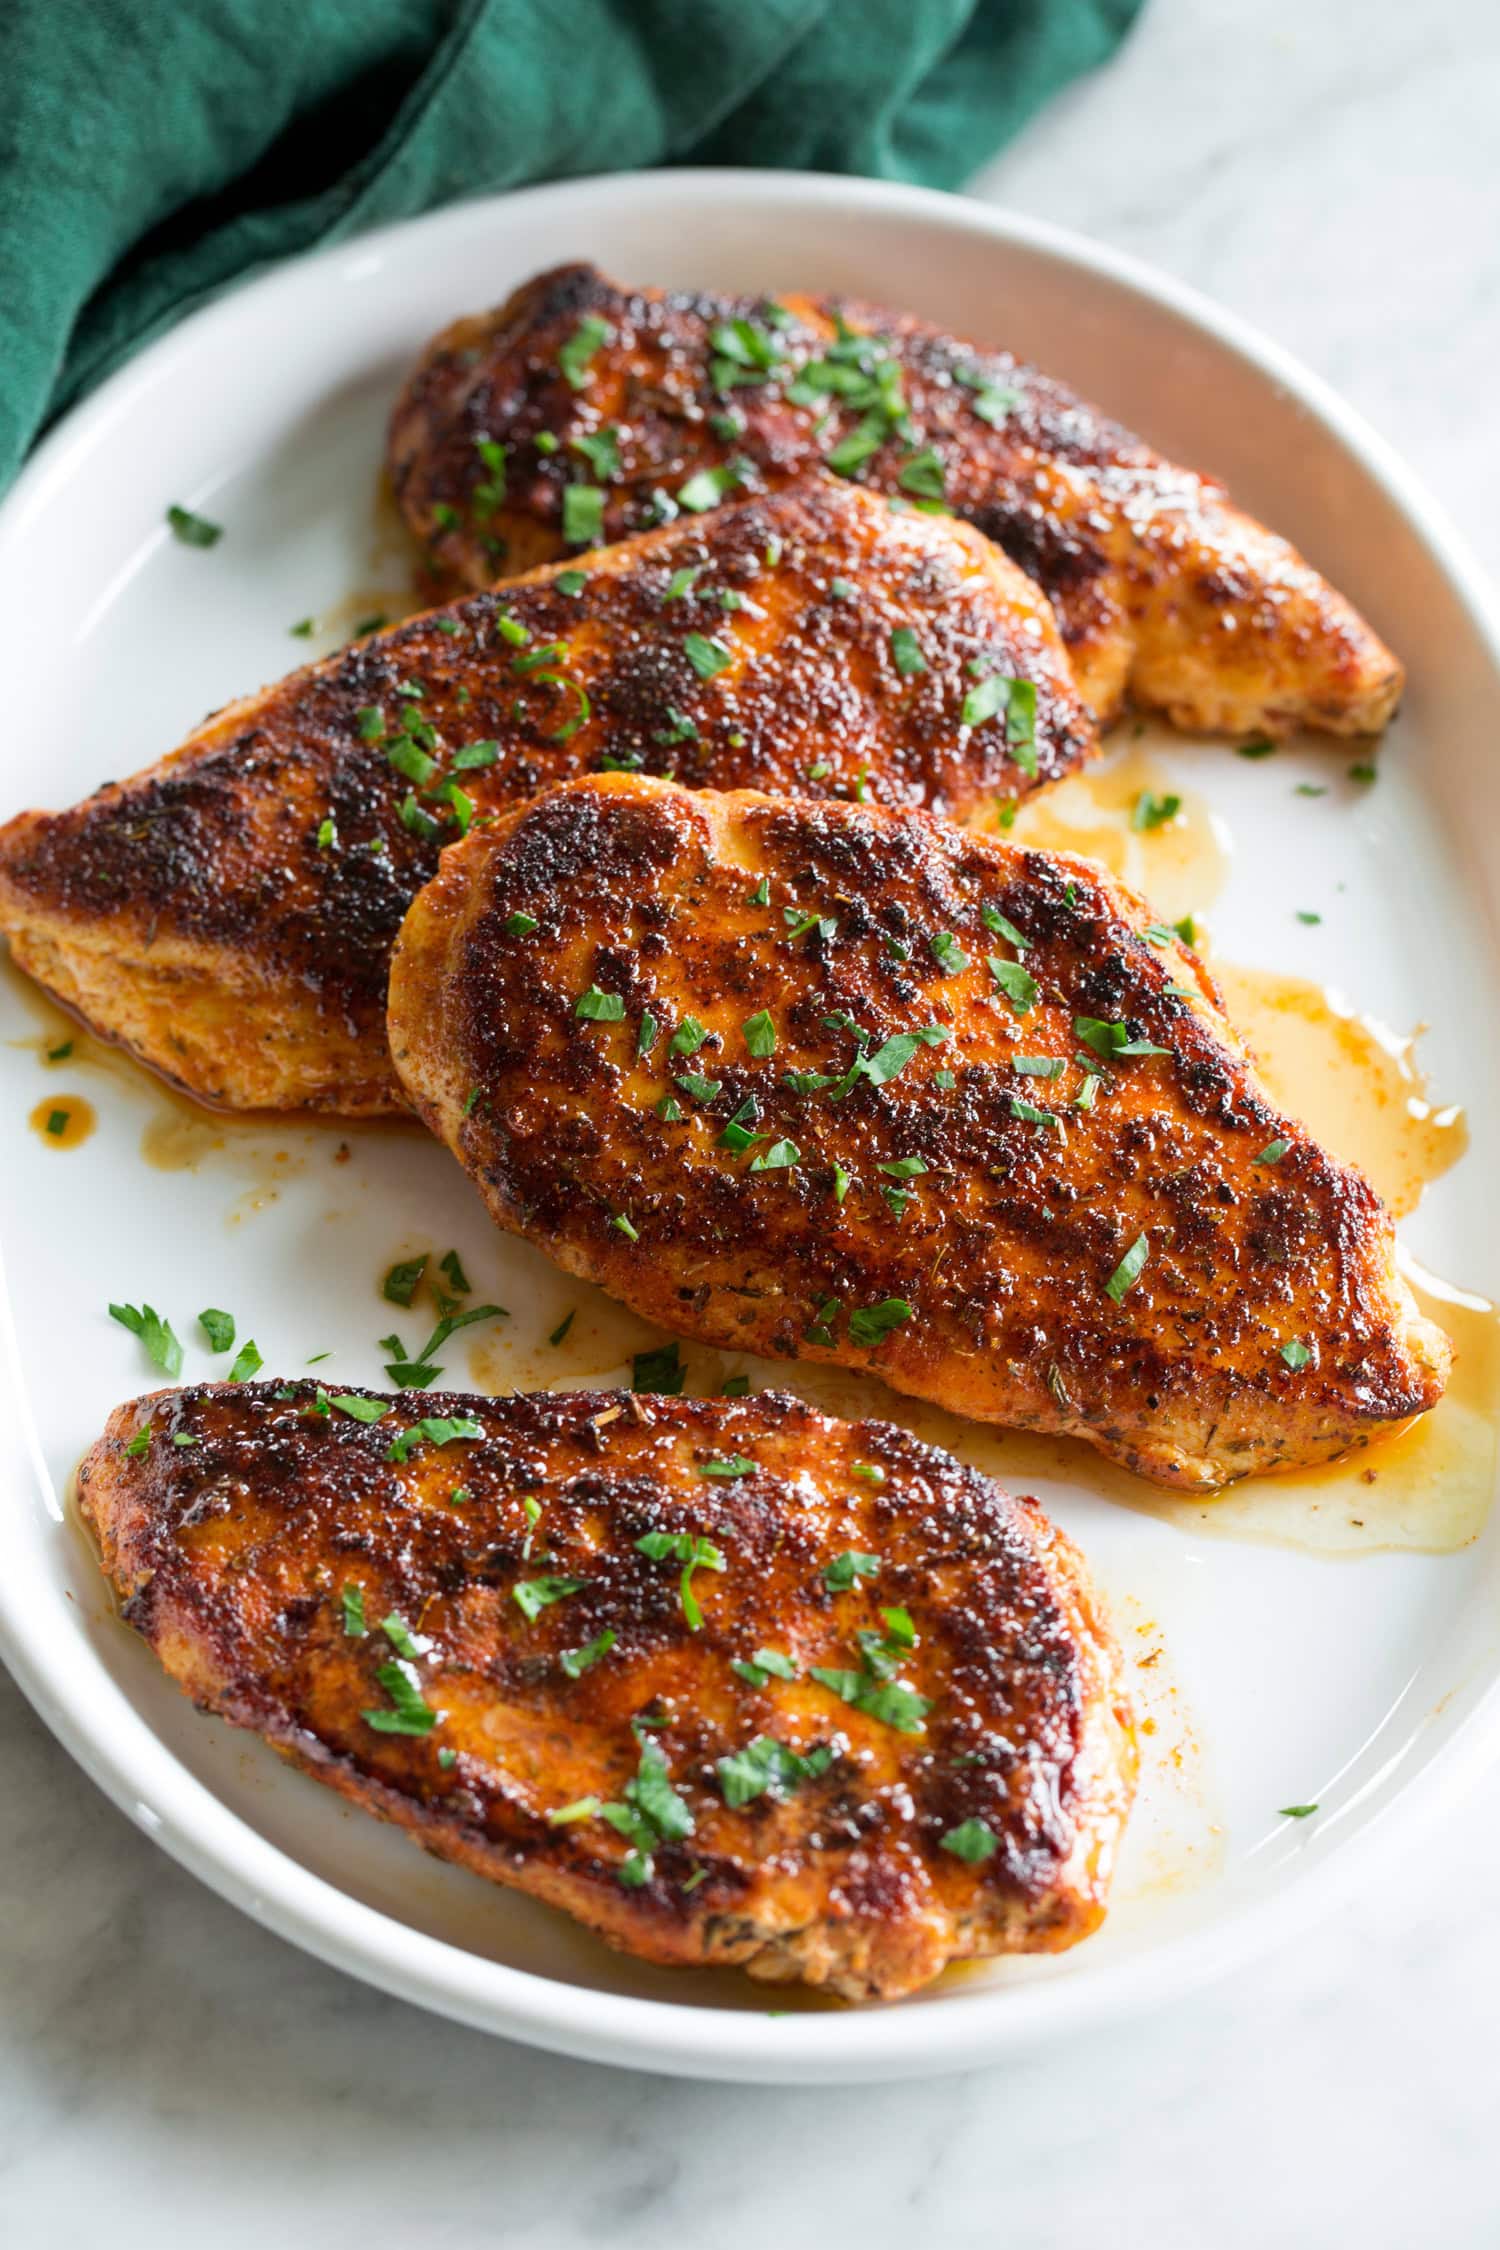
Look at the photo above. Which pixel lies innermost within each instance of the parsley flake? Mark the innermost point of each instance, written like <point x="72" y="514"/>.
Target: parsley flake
<point x="193" y="530"/>
<point x="1128" y="1272"/>
<point x="972" y="1840"/>
<point x="162" y="1347"/>
<point x="588" y="338"/>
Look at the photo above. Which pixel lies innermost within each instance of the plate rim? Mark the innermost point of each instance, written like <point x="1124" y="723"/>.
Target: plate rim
<point x="138" y="1772"/>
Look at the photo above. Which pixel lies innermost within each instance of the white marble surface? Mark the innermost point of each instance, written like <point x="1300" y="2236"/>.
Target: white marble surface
<point x="168" y="2071"/>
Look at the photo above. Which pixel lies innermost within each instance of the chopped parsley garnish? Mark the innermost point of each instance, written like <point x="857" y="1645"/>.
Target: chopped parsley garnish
<point x="304" y="628"/>
<point x="653" y="1811"/>
<point x="1150" y="811"/>
<point x="733" y="1465"/>
<point x="247" y="1363"/>
<point x="682" y="582"/>
<point x="841" y="1573"/>
<point x="451" y="1266"/>
<point x="1017" y="983"/>
<point x="519" y="925"/>
<point x="625" y="1227"/>
<point x="890" y="1701"/>
<point x="781" y="1156"/>
<point x="691" y="1551"/>
<point x="993" y="919"/>
<point x="192" y="530"/>
<point x="688" y="1037"/>
<point x="218" y="1327"/>
<point x="140" y="1443"/>
<point x="972" y="1840"/>
<point x="708" y="487"/>
<point x="992" y="401"/>
<point x="924" y="476"/>
<point x="1305" y="914"/>
<point x="582" y="1808"/>
<point x="737" y="1135"/>
<point x="1259" y="746"/>
<point x="760" y="1034"/>
<point x="407" y="759"/>
<point x="436" y="1430"/>
<point x="987" y="699"/>
<point x="561" y="1330"/>
<point x="1128" y="1272"/>
<point x="854" y="450"/>
<point x="410" y="1713"/>
<point x="601" y="450"/>
<point x="1038" y="1066"/>
<point x="766" y="1664"/>
<point x="1362" y="771"/>
<point x="697" y="1088"/>
<point x="1296" y="1354"/>
<point x="599" y="1007"/>
<point x="906" y="652"/>
<point x="532" y="1595"/>
<point x="588" y="337"/>
<point x="766" y="1764"/>
<point x="401" y="1283"/>
<point x="162" y="1346"/>
<point x="576" y="1661"/>
<point x="399" y="1634"/>
<point x="869" y="1325"/>
<point x="889" y="1059"/>
<point x="583" y="515"/>
<point x="570" y="582"/>
<point x="1027" y="1113"/>
<point x="1113" y="1041"/>
<point x="360" y="1409"/>
<point x="706" y="656"/>
<point x="659" y="1371"/>
<point x="1272" y="1153"/>
<point x="417" y="822"/>
<point x="948" y="953"/>
<point x="353" y="1599"/>
<point x="800" y="924"/>
<point x="1296" y="1812"/>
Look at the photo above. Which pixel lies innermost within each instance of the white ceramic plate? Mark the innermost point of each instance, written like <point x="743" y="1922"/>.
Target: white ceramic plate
<point x="1365" y="1684"/>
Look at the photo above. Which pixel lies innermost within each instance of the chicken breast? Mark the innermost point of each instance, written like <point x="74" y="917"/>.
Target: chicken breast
<point x="228" y="914"/>
<point x="728" y="1681"/>
<point x="835" y="1083"/>
<point x="581" y="410"/>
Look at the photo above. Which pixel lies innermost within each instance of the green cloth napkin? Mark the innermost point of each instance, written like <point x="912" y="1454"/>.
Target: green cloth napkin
<point x="152" y="151"/>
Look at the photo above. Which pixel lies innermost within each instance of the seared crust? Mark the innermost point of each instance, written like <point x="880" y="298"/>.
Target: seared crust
<point x="228" y="914"/>
<point x="1164" y="590"/>
<point x="1013" y="1226"/>
<point x="232" y="1537"/>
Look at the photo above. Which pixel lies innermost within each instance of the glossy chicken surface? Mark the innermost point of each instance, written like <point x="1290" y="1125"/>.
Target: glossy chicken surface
<point x="726" y="1680"/>
<point x="828" y="1082"/>
<point x="645" y="401"/>
<point x="228" y="914"/>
